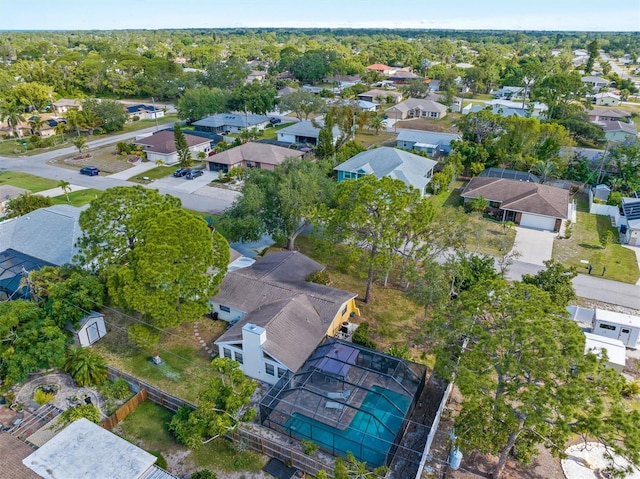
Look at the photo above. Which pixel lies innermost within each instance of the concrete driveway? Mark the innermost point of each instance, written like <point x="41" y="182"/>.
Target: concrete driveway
<point x="534" y="246"/>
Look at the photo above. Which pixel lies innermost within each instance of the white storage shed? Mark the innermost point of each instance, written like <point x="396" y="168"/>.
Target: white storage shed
<point x="624" y="327"/>
<point x="90" y="330"/>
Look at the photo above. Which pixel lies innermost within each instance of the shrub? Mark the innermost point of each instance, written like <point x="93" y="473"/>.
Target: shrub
<point x="118" y="389"/>
<point x="615" y="199"/>
<point x="85" y="366"/>
<point x="631" y="389"/>
<point x="309" y="447"/>
<point x="319" y="277"/>
<point x="87" y="411"/>
<point x="399" y="351"/>
<point x="204" y="474"/>
<point x="41" y="397"/>
<point x="568" y="229"/>
<point x="361" y="336"/>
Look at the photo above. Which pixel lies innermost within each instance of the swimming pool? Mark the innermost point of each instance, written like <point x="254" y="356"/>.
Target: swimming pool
<point x="370" y="434"/>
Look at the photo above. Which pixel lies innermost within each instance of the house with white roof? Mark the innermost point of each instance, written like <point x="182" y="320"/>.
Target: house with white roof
<point x="606" y="99"/>
<point x="596" y="83"/>
<point x="305" y="132"/>
<point x="413" y="170"/>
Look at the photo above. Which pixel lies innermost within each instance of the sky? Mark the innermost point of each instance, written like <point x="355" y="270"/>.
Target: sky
<point x="563" y="15"/>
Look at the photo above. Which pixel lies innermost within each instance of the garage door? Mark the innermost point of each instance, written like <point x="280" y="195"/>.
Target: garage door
<point x="537" y="222"/>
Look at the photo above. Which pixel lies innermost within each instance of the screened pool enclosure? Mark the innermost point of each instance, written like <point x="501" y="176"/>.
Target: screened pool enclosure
<point x="347" y="398"/>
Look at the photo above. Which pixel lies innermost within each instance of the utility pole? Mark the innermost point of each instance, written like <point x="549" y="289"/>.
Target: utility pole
<point x="604" y="155"/>
<point x="155" y="112"/>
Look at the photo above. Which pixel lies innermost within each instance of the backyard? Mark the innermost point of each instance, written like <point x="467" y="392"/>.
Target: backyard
<point x="147" y="427"/>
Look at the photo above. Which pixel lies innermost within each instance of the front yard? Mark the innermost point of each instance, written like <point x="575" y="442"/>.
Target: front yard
<point x="26" y="181"/>
<point x="584" y="249"/>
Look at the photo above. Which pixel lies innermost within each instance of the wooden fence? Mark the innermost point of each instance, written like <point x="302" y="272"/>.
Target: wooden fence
<point x="124" y="410"/>
<point x="154" y="394"/>
<point x="272" y="448"/>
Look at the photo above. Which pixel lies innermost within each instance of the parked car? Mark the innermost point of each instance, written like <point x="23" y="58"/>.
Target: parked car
<point x="89" y="171"/>
<point x="274" y="120"/>
<point x="193" y="174"/>
<point x="180" y="172"/>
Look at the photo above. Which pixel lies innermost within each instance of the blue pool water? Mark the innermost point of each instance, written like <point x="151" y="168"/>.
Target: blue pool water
<point x="369" y="435"/>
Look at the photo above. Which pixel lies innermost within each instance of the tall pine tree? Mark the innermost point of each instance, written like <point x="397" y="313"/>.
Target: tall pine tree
<point x="184" y="154"/>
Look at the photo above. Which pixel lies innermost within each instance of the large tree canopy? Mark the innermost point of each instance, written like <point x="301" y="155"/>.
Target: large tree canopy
<point x="520" y="365"/>
<point x="277" y="202"/>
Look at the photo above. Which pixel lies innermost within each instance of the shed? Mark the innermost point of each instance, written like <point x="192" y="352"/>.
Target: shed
<point x="91" y="329"/>
<point x="616" y="352"/>
<point x="624" y="327"/>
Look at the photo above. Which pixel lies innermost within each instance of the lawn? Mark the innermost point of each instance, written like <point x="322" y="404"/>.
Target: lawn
<point x="147" y="427"/>
<point x="185" y="366"/>
<point x="446" y="124"/>
<point x="26" y="181"/>
<point x="368" y="138"/>
<point x="584" y="245"/>
<point x="271" y="133"/>
<point x="14" y="147"/>
<point x="155" y="174"/>
<point x="77" y="198"/>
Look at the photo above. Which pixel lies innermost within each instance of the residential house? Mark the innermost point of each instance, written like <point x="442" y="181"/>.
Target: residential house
<point x="606" y="99"/>
<point x="431" y="142"/>
<point x="526" y="204"/>
<point x="602" y="115"/>
<point x="615" y="349"/>
<point x="12" y="452"/>
<point x="286" y="91"/>
<point x="417" y="108"/>
<point x="84" y="449"/>
<point x="631" y="230"/>
<point x="532" y="109"/>
<point x="24" y="247"/>
<point x="434" y="85"/>
<point x="385" y="70"/>
<point x="304" y="132"/>
<point x="413" y="170"/>
<point x="343" y="81"/>
<point x="619" y="132"/>
<point x="161" y="146"/>
<point x="503" y="111"/>
<point x="622" y="326"/>
<point x="144" y="112"/>
<point x="256" y="75"/>
<point x="510" y="174"/>
<point x="403" y="76"/>
<point x="278" y="318"/>
<point x="596" y="83"/>
<point x="381" y="96"/>
<point x="224" y="123"/>
<point x="251" y="155"/>
<point x="64" y="105"/>
<point x="508" y="92"/>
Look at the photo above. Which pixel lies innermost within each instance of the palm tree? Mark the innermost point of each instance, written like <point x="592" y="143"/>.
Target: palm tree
<point x="65" y="186"/>
<point x="14" y="114"/>
<point x="75" y="120"/>
<point x="79" y="143"/>
<point x="60" y="128"/>
<point x="36" y="123"/>
<point x="85" y="366"/>
<point x="544" y="169"/>
<point x="90" y="120"/>
<point x="377" y="124"/>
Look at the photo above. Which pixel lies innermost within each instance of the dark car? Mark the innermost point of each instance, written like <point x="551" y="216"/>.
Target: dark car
<point x="274" y="120"/>
<point x="193" y="174"/>
<point x="180" y="172"/>
<point x="89" y="171"/>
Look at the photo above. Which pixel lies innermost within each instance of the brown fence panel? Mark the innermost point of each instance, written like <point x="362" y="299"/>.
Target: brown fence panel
<point x="124" y="410"/>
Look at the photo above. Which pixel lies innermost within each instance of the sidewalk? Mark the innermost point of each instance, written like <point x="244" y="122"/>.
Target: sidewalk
<point x="59" y="191"/>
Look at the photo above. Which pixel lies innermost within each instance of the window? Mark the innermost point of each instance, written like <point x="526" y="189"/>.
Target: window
<point x="607" y="326"/>
<point x="268" y="368"/>
<point x="225" y="309"/>
<point x="625" y="331"/>
<point x="226" y="352"/>
<point x="344" y="311"/>
<point x="281" y="372"/>
<point x="434" y="114"/>
<point x="239" y="357"/>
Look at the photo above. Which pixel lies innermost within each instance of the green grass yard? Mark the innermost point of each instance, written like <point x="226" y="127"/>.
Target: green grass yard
<point x="584" y="245"/>
<point x="77" y="198"/>
<point x="155" y="174"/>
<point x="26" y="181"/>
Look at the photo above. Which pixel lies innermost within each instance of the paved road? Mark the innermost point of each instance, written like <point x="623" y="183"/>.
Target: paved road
<point x="37" y="165"/>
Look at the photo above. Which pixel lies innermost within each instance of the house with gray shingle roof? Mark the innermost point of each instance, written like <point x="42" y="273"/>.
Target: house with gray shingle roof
<point x="305" y="132"/>
<point x="417" y="108"/>
<point x="278" y="318"/>
<point x="251" y="155"/>
<point x="433" y="143"/>
<point x="525" y="203"/>
<point x="413" y="170"/>
<point x="224" y="123"/>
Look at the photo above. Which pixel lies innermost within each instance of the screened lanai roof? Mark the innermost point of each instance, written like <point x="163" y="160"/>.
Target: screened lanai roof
<point x="347" y="398"/>
<point x="13" y="267"/>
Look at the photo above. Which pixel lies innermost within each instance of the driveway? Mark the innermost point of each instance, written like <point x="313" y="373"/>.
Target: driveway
<point x="534" y="246"/>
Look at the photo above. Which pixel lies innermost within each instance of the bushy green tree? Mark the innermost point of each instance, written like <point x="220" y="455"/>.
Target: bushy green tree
<point x="85" y="366"/>
<point x="26" y="203"/>
<point x="556" y="279"/>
